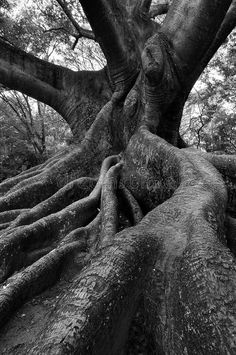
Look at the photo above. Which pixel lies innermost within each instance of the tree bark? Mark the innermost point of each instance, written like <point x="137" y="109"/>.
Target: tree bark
<point x="77" y="96"/>
<point x="76" y="262"/>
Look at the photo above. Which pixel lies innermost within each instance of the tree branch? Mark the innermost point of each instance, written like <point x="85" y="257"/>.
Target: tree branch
<point x="225" y="29"/>
<point x="50" y="83"/>
<point x="32" y="76"/>
<point x="82" y="32"/>
<point x="108" y="20"/>
<point x="191" y="26"/>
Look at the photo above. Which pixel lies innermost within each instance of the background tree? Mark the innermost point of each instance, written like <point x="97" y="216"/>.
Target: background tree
<point x="208" y="120"/>
<point x="153" y="227"/>
<point x="30" y="132"/>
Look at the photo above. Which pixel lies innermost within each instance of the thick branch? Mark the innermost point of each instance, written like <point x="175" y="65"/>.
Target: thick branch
<point x="64" y="90"/>
<point x="35" y="77"/>
<point x="191" y="27"/>
<point x="108" y="20"/>
<point x="226" y="27"/>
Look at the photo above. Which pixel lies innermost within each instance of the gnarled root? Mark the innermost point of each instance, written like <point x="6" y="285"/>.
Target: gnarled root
<point x="17" y="241"/>
<point x="189" y="294"/>
<point x="34" y="279"/>
<point x="130" y="205"/>
<point x="68" y="194"/>
<point x="176" y="257"/>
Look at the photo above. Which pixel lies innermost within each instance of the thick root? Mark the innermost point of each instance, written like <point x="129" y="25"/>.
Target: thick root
<point x="89" y="233"/>
<point x="29" y="195"/>
<point x="33" y="279"/>
<point x="176" y="257"/>
<point x="70" y="193"/>
<point x="9" y="183"/>
<point x="226" y="165"/>
<point x="16" y="242"/>
<point x="63" y="168"/>
<point x="9" y="216"/>
<point x="189" y="294"/>
<point x="103" y="297"/>
<point x="4" y="226"/>
<point x="50" y="229"/>
<point x="130" y="205"/>
<point x="109" y="205"/>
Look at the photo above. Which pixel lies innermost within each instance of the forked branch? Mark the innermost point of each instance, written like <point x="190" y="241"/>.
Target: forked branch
<point x="109" y="23"/>
<point x="82" y="32"/>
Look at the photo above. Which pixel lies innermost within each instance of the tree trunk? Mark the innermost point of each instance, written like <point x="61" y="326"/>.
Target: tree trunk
<point x="126" y="217"/>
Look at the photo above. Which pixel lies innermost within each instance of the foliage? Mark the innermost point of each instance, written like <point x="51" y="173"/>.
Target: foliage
<point x="43" y="29"/>
<point x="209" y="117"/>
<point x="30" y="132"/>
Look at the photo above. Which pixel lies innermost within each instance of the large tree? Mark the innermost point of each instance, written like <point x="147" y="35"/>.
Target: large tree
<point x="131" y="217"/>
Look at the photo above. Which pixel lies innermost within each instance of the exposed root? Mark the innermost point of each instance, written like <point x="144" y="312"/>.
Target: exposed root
<point x="16" y="242"/>
<point x="193" y="281"/>
<point x="28" y="196"/>
<point x="226" y="165"/>
<point x="104" y="296"/>
<point x="130" y="205"/>
<point x="9" y="216"/>
<point x="90" y="233"/>
<point x="48" y="163"/>
<point x="32" y="191"/>
<point x="70" y="193"/>
<point x="33" y="279"/>
<point x="176" y="256"/>
<point x="62" y="169"/>
<point x="9" y="183"/>
<point x="21" y="246"/>
<point x="4" y="226"/>
<point x="25" y="172"/>
<point x="109" y="205"/>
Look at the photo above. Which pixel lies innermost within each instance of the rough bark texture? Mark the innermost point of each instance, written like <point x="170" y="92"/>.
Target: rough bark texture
<point x="126" y="216"/>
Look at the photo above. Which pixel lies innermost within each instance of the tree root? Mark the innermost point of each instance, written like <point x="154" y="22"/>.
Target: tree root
<point x="68" y="194"/>
<point x="9" y="216"/>
<point x="9" y="183"/>
<point x="89" y="233"/>
<point x="193" y="280"/>
<point x="103" y="297"/>
<point x="33" y="279"/>
<point x="15" y="242"/>
<point x="28" y="196"/>
<point x="109" y="205"/>
<point x="176" y="257"/>
<point x="130" y="205"/>
<point x="30" y="192"/>
<point x="4" y="226"/>
<point x="226" y="165"/>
